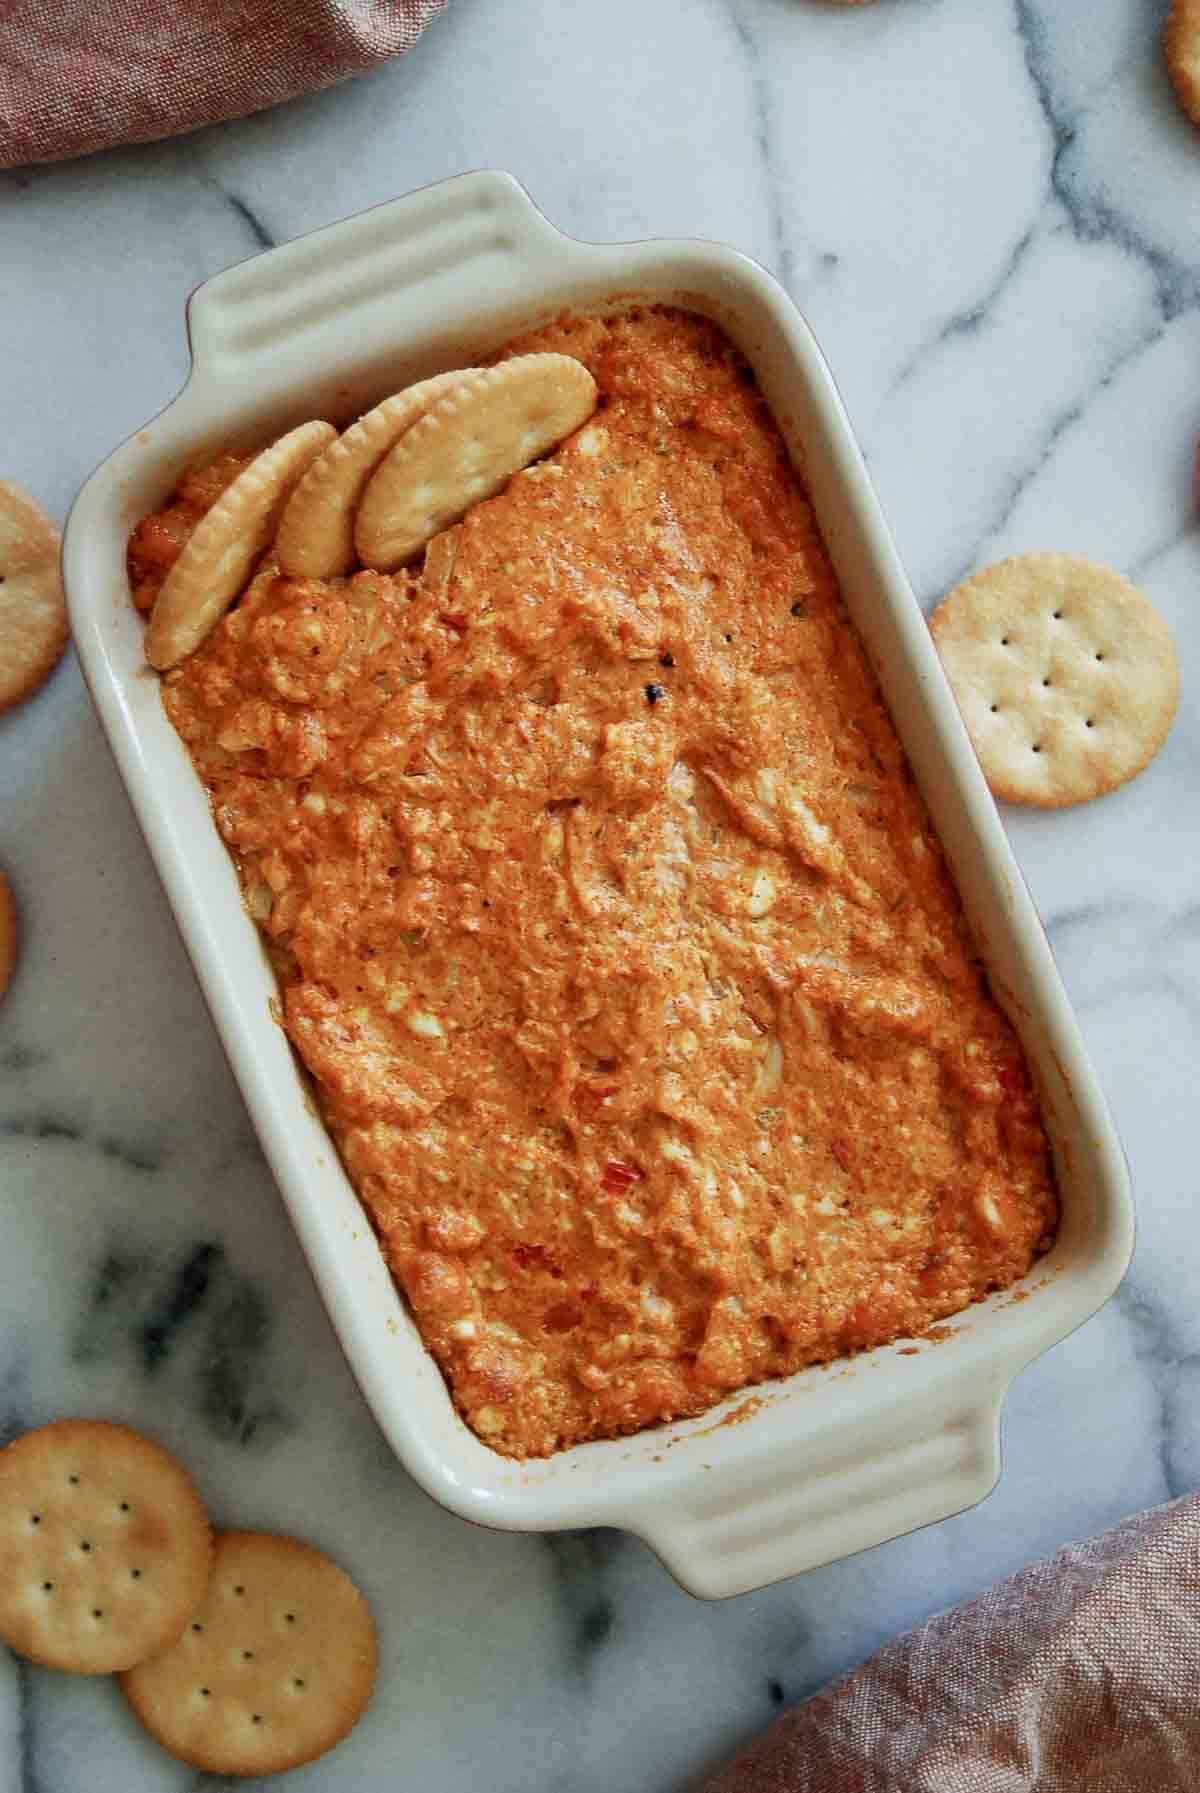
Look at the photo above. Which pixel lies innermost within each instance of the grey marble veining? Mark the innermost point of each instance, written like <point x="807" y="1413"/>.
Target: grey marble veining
<point x="988" y="211"/>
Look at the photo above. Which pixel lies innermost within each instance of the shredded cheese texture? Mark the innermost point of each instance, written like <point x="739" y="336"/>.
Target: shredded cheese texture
<point x="610" y="925"/>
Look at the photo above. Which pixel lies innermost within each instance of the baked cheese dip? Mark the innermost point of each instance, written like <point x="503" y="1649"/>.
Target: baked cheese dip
<point x="609" y="923"/>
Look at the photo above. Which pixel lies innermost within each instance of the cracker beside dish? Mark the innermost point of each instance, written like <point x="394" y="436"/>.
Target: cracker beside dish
<point x="397" y="477"/>
<point x="33" y="610"/>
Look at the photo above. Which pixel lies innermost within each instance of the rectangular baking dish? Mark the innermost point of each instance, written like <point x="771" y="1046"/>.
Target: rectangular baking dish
<point x="830" y="1460"/>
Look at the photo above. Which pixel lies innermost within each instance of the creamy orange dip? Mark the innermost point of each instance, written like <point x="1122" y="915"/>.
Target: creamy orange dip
<point x="610" y="926"/>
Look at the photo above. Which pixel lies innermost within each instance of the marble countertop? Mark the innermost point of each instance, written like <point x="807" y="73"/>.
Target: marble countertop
<point x="988" y="214"/>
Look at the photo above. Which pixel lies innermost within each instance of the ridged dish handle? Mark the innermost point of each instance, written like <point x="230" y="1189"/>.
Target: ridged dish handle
<point x="431" y="249"/>
<point x="810" y="1503"/>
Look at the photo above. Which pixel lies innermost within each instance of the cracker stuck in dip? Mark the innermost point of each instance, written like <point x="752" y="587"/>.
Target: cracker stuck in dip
<point x="610" y="925"/>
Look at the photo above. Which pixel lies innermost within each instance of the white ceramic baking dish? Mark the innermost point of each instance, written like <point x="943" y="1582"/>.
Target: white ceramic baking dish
<point x="830" y="1460"/>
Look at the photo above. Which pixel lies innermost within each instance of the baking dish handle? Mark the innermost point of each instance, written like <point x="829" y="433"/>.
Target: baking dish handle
<point x="435" y="247"/>
<point x="807" y="1504"/>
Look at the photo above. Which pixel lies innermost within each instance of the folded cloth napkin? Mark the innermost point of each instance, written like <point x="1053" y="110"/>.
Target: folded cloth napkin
<point x="1082" y="1672"/>
<point x="79" y="75"/>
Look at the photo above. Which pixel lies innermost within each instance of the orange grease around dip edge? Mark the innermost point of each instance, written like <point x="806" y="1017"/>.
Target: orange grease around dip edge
<point x="611" y="927"/>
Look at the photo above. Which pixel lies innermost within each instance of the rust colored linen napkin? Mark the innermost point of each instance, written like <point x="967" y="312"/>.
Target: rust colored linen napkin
<point x="81" y="75"/>
<point x="1082" y="1672"/>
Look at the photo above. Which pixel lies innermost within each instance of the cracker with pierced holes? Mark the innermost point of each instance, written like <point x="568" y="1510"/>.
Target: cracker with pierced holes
<point x="1182" y="44"/>
<point x="316" y="531"/>
<point x="105" y="1547"/>
<point x="33" y="611"/>
<point x="465" y="448"/>
<point x="1066" y="676"/>
<point x="220" y="553"/>
<point x="10" y="933"/>
<point x="275" y="1668"/>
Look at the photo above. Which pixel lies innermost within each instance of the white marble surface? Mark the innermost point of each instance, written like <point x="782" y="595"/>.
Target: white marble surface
<point x="988" y="210"/>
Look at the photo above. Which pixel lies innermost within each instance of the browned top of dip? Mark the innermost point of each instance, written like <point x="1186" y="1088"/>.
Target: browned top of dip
<point x="611" y="927"/>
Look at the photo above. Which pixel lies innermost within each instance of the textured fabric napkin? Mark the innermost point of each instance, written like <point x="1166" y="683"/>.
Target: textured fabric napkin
<point x="1082" y="1672"/>
<point x="79" y="75"/>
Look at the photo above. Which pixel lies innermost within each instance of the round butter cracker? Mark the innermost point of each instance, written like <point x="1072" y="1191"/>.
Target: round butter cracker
<point x="1181" y="42"/>
<point x="275" y="1667"/>
<point x="104" y="1546"/>
<point x="465" y="448"/>
<point x="219" y="555"/>
<point x="33" y="610"/>
<point x="1066" y="676"/>
<point x="316" y="531"/>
